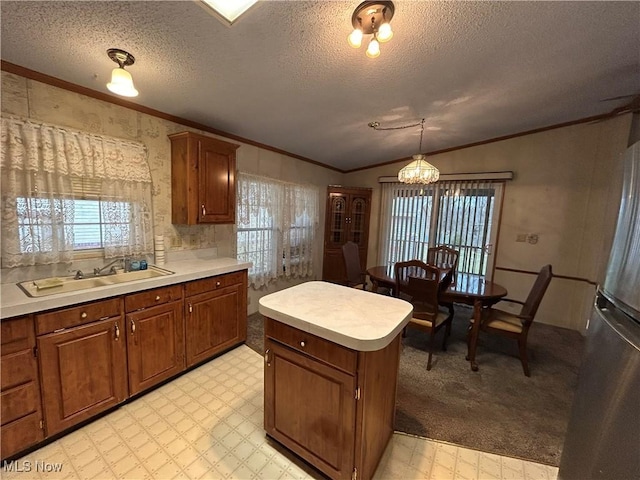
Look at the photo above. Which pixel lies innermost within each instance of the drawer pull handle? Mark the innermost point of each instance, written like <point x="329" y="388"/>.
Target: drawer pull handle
<point x="204" y="210"/>
<point x="83" y="315"/>
<point x="117" y="329"/>
<point x="157" y="298"/>
<point x="133" y="327"/>
<point x="266" y="357"/>
<point x="303" y="344"/>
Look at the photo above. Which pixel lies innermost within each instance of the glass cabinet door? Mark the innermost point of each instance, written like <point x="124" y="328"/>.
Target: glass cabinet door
<point x="357" y="220"/>
<point x="338" y="220"/>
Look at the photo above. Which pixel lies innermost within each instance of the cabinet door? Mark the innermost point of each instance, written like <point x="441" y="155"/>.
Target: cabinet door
<point x="21" y="408"/>
<point x="214" y="321"/>
<point x="216" y="172"/>
<point x="337" y="216"/>
<point x="358" y="219"/>
<point x="155" y="342"/>
<point x="83" y="372"/>
<point x="310" y="408"/>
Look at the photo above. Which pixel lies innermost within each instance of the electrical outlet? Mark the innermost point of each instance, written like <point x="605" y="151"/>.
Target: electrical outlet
<point x="521" y="237"/>
<point x="176" y="242"/>
<point x="532" y="238"/>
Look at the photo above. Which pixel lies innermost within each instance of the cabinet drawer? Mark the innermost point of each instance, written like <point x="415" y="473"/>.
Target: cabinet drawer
<point x="336" y="355"/>
<point x="151" y="298"/>
<point x="16" y="334"/>
<point x="212" y="283"/>
<point x="17" y="368"/>
<point x="19" y="402"/>
<point x="18" y="435"/>
<point x="71" y="317"/>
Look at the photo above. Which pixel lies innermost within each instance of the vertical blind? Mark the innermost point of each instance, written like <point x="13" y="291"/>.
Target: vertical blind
<point x="457" y="213"/>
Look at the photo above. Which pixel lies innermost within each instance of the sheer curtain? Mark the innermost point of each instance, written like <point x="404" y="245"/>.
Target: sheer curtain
<point x="276" y="225"/>
<point x="40" y="165"/>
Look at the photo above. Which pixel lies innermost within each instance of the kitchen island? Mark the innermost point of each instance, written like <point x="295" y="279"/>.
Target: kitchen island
<point x="331" y="368"/>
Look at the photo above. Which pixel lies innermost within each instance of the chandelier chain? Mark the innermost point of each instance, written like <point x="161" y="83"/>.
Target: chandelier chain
<point x="376" y="126"/>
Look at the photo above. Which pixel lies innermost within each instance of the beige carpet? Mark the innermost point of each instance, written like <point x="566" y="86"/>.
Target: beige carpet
<point x="496" y="409"/>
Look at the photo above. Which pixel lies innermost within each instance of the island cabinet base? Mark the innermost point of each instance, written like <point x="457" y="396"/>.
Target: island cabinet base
<point x="331" y="405"/>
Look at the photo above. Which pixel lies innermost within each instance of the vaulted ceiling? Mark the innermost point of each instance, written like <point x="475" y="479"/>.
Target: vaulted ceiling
<point x="284" y="75"/>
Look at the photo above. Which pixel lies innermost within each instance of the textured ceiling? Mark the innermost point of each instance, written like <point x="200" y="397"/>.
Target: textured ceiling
<point x="283" y="75"/>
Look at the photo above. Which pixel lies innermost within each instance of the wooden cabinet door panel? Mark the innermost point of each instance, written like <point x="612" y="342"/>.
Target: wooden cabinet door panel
<point x="83" y="372"/>
<point x="310" y="408"/>
<point x="217" y="186"/>
<point x="155" y="342"/>
<point x="213" y="322"/>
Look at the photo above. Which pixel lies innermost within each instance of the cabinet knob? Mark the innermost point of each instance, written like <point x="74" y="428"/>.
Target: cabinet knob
<point x="83" y="315"/>
<point x="303" y="344"/>
<point x="217" y="284"/>
<point x="157" y="297"/>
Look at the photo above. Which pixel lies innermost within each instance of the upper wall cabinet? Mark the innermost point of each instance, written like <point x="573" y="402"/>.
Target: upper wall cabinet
<point x="203" y="188"/>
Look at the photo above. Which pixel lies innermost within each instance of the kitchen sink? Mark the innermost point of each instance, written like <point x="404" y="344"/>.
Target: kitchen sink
<point x="55" y="285"/>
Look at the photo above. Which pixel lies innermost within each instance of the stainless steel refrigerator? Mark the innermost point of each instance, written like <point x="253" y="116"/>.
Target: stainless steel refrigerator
<point x="603" y="436"/>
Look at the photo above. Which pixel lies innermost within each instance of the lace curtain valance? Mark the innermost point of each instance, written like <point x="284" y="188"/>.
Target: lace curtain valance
<point x="41" y="166"/>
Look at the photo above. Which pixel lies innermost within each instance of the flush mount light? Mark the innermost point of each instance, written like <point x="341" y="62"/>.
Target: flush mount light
<point x="121" y="82"/>
<point x="230" y="10"/>
<point x="372" y="18"/>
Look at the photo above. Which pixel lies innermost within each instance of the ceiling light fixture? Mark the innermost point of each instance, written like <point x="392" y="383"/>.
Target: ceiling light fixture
<point x="419" y="170"/>
<point x="121" y="82"/>
<point x="372" y="18"/>
<point x="229" y="10"/>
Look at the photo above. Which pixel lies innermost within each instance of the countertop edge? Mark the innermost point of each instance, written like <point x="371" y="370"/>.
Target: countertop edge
<point x="13" y="301"/>
<point x="357" y="322"/>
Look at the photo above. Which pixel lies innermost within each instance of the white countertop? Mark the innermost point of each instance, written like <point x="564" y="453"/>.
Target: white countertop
<point x="14" y="302"/>
<point x="356" y="319"/>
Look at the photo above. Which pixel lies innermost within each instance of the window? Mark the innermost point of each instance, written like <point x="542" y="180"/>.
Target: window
<point x="275" y="227"/>
<point x="65" y="191"/>
<point x="461" y="214"/>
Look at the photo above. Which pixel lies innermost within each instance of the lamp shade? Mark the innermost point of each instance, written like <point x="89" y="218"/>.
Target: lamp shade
<point x="419" y="171"/>
<point x="122" y="83"/>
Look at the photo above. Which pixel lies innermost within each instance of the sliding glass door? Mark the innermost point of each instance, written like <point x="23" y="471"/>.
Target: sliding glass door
<point x="461" y="214"/>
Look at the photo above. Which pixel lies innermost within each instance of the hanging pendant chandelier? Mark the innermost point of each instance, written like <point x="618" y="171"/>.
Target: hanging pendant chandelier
<point x="419" y="170"/>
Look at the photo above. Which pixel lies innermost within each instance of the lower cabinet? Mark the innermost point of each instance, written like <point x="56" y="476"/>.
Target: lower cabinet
<point x="155" y="337"/>
<point x="330" y="405"/>
<point x="155" y="343"/>
<point x="84" y="372"/>
<point x="215" y="315"/>
<point x="65" y="366"/>
<point x="21" y="411"/>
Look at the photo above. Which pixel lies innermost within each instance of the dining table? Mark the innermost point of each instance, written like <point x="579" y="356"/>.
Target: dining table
<point x="467" y="288"/>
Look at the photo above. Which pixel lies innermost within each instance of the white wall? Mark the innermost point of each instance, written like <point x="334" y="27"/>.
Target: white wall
<point x="566" y="189"/>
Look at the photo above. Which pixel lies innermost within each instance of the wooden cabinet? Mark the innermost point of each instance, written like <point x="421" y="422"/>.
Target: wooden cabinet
<point x="331" y="405"/>
<point x="83" y="368"/>
<point x="155" y="336"/>
<point x="215" y="315"/>
<point x="203" y="186"/>
<point x="346" y="219"/>
<point x="21" y="406"/>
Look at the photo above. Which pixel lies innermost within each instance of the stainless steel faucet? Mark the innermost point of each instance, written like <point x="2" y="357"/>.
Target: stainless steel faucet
<point x="111" y="266"/>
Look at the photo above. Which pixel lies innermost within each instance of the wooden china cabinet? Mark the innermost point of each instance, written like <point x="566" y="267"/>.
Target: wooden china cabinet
<point x="346" y="219"/>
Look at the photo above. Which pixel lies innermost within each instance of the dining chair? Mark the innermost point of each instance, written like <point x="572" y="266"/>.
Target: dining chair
<point x="513" y="325"/>
<point x="444" y="257"/>
<point x="356" y="278"/>
<point x="419" y="284"/>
